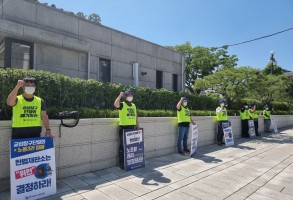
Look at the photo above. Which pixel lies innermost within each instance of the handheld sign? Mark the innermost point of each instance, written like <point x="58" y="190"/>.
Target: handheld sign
<point x="228" y="134"/>
<point x="194" y="139"/>
<point x="32" y="168"/>
<point x="133" y="149"/>
<point x="251" y="129"/>
<point x="274" y="125"/>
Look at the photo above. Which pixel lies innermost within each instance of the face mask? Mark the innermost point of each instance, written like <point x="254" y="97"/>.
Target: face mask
<point x="267" y="108"/>
<point x="246" y="106"/>
<point x="222" y="104"/>
<point x="29" y="90"/>
<point x="129" y="99"/>
<point x="184" y="104"/>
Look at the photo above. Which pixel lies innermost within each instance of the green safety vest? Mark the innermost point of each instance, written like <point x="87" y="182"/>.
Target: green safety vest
<point x="26" y="113"/>
<point x="244" y="115"/>
<point x="183" y="115"/>
<point x="222" y="116"/>
<point x="267" y="112"/>
<point x="253" y="114"/>
<point x="127" y="115"/>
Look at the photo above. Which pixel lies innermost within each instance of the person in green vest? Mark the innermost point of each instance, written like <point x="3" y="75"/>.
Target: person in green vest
<point x="267" y="119"/>
<point x="244" y="115"/>
<point x="222" y="117"/>
<point x="254" y="116"/>
<point x="184" y="119"/>
<point x="28" y="111"/>
<point x="127" y="119"/>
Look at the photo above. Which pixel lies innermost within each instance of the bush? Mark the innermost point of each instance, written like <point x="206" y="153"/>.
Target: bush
<point x="95" y="99"/>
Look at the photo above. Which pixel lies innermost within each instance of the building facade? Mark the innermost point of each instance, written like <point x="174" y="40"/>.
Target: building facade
<point x="41" y="37"/>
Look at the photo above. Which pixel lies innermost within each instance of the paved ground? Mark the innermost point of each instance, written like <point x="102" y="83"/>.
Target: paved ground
<point x="253" y="169"/>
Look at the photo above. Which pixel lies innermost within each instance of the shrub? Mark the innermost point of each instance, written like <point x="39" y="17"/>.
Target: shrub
<point x="95" y="99"/>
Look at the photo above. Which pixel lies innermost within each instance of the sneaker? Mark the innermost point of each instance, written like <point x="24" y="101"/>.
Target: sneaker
<point x="181" y="153"/>
<point x="187" y="150"/>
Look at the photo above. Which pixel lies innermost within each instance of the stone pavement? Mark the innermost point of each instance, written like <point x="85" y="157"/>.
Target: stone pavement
<point x="253" y="169"/>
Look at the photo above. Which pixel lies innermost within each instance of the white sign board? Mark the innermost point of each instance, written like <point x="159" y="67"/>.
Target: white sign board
<point x="32" y="168"/>
<point x="194" y="139"/>
<point x="251" y="129"/>
<point x="228" y="134"/>
<point x="274" y="125"/>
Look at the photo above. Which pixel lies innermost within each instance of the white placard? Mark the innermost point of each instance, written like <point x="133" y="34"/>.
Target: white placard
<point x="194" y="139"/>
<point x="32" y="168"/>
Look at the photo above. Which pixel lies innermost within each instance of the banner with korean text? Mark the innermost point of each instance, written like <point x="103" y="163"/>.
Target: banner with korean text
<point x="32" y="168"/>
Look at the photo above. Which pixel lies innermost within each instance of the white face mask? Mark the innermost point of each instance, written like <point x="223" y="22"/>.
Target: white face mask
<point x="184" y="104"/>
<point x="222" y="104"/>
<point x="129" y="99"/>
<point x="29" y="90"/>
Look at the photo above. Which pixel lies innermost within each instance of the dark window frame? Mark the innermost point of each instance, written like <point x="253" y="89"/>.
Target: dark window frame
<point x="175" y="82"/>
<point x="8" y="44"/>
<point x="159" y="80"/>
<point x="110" y="70"/>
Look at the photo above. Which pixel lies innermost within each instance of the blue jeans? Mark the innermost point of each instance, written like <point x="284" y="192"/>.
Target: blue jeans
<point x="183" y="135"/>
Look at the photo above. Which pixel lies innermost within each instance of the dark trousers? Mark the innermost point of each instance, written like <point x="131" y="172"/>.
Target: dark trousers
<point x="26" y="132"/>
<point x="121" y="144"/>
<point x="256" y="127"/>
<point x="220" y="134"/>
<point x="244" y="128"/>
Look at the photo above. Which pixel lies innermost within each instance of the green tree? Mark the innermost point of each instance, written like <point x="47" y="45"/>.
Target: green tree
<point x="81" y="14"/>
<point x="267" y="88"/>
<point x="94" y="18"/>
<point x="203" y="61"/>
<point x="277" y="70"/>
<point x="229" y="83"/>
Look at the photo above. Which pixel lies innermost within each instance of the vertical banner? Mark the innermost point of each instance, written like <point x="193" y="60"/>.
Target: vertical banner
<point x="274" y="125"/>
<point x="251" y="129"/>
<point x="133" y="149"/>
<point x="32" y="168"/>
<point x="228" y="134"/>
<point x="194" y="139"/>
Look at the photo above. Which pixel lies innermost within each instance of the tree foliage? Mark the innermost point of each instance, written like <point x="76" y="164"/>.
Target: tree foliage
<point x="94" y="18"/>
<point x="203" y="61"/>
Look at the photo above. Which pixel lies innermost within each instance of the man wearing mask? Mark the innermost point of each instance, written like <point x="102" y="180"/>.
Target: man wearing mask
<point x="267" y="119"/>
<point x="244" y="115"/>
<point x="127" y="119"/>
<point x="254" y="116"/>
<point x="184" y="119"/>
<point x="28" y="111"/>
<point x="222" y="117"/>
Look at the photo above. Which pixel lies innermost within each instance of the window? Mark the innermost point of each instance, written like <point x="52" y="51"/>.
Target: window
<point x="175" y="82"/>
<point x="159" y="79"/>
<point x="18" y="54"/>
<point x="104" y="70"/>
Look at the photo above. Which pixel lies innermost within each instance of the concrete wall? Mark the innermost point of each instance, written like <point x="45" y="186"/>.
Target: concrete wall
<point x="49" y="28"/>
<point x="93" y="144"/>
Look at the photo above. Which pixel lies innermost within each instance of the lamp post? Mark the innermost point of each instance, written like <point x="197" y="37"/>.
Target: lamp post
<point x="272" y="61"/>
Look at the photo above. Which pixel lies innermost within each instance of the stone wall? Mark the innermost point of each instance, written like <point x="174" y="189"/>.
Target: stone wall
<point x="93" y="144"/>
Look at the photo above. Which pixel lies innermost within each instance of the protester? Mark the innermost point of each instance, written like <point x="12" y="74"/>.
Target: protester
<point x="127" y="119"/>
<point x="28" y="111"/>
<point x="222" y="117"/>
<point x="244" y="121"/>
<point x="267" y="119"/>
<point x="254" y="116"/>
<point x="184" y="119"/>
